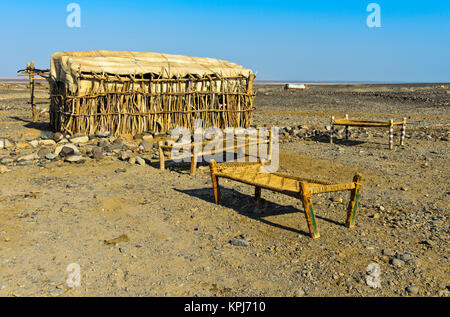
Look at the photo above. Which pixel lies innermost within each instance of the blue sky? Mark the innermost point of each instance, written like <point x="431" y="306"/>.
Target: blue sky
<point x="306" y="40"/>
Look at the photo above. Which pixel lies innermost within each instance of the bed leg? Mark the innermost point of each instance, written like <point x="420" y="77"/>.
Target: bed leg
<point x="346" y="132"/>
<point x="331" y="130"/>
<point x="391" y="134"/>
<point x="309" y="212"/>
<point x="215" y="180"/>
<point x="354" y="200"/>
<point x="193" y="164"/>
<point x="161" y="156"/>
<point x="257" y="193"/>
<point x="402" y="139"/>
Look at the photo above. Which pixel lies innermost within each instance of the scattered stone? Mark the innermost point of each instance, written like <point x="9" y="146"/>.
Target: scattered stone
<point x="80" y="139"/>
<point x="29" y="157"/>
<point x="47" y="142"/>
<point x="97" y="153"/>
<point x="67" y="149"/>
<point x="124" y="156"/>
<point x="77" y="159"/>
<point x="46" y="135"/>
<point x="381" y="208"/>
<point x="43" y="152"/>
<point x="405" y="257"/>
<point x="147" y="137"/>
<point x="34" y="143"/>
<point x="140" y="160"/>
<point x="132" y="160"/>
<point x="50" y="156"/>
<point x="397" y="262"/>
<point x="413" y="289"/>
<point x="299" y="293"/>
<point x="104" y="134"/>
<point x="58" y="136"/>
<point x="388" y="252"/>
<point x="6" y="144"/>
<point x="239" y="242"/>
<point x="146" y="146"/>
<point x="120" y="170"/>
<point x="122" y="238"/>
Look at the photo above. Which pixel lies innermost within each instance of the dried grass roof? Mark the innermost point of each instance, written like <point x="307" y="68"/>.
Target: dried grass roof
<point x="66" y="65"/>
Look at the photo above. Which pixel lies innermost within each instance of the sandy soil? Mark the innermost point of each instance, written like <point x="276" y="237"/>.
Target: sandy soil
<point x="54" y="213"/>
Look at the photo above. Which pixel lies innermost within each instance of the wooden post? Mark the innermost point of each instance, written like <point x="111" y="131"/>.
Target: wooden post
<point x="269" y="150"/>
<point x="161" y="156"/>
<point x="257" y="193"/>
<point x="346" y="132"/>
<point x="354" y="199"/>
<point x="391" y="134"/>
<point x="331" y="130"/>
<point x="309" y="212"/>
<point x="193" y="163"/>
<point x="32" y="101"/>
<point x="215" y="180"/>
<point x="402" y="138"/>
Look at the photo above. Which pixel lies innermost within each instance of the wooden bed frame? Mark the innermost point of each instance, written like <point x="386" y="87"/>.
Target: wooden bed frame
<point x="198" y="149"/>
<point x="298" y="187"/>
<point x="369" y="124"/>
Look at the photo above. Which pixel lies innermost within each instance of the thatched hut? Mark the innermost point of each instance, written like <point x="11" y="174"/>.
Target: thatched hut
<point x="131" y="92"/>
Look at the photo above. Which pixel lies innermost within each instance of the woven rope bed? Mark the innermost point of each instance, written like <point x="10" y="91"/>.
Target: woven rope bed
<point x="369" y="124"/>
<point x="299" y="187"/>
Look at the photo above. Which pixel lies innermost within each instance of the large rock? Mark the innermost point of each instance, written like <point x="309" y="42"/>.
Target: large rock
<point x="79" y="139"/>
<point x="47" y="142"/>
<point x="67" y="149"/>
<point x="77" y="159"/>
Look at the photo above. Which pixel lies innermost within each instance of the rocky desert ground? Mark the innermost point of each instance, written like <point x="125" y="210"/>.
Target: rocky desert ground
<point x="102" y="203"/>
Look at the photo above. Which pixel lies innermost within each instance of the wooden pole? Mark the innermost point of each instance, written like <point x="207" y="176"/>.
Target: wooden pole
<point x="215" y="180"/>
<point x="331" y="130"/>
<point x="402" y="139"/>
<point x="161" y="156"/>
<point x="309" y="212"/>
<point x="354" y="199"/>
<point x="193" y="163"/>
<point x="32" y="102"/>
<point x="257" y="193"/>
<point x="391" y="134"/>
